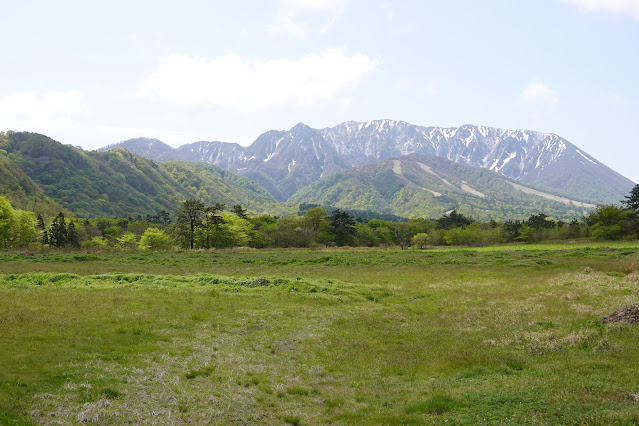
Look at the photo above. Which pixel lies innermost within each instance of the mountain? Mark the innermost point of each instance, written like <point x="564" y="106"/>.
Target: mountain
<point x="285" y="161"/>
<point x="419" y="185"/>
<point x="118" y="183"/>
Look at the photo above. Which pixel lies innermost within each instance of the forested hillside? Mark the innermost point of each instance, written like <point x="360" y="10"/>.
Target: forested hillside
<point x="18" y="188"/>
<point x="428" y="186"/>
<point x="116" y="183"/>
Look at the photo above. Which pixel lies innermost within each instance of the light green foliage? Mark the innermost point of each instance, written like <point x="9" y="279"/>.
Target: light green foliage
<point x="154" y="239"/>
<point x="315" y="219"/>
<point x="23" y="228"/>
<point x="420" y="240"/>
<point x="6" y="213"/>
<point x="17" y="227"/>
<point x="236" y="230"/>
<point x="95" y="243"/>
<point x="526" y="233"/>
<point x="128" y="240"/>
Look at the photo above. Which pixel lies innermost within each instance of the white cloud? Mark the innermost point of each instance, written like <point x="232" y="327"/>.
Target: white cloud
<point x="231" y="82"/>
<point x="619" y="7"/>
<point x="37" y="111"/>
<point x="538" y="91"/>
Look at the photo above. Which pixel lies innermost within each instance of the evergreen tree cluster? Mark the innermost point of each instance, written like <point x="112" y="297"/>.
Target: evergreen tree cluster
<point x="59" y="234"/>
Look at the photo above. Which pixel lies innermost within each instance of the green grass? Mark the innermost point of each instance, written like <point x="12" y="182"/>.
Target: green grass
<point x="509" y="334"/>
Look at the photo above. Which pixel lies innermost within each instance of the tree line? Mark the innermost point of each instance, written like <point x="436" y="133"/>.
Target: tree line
<point x="198" y="226"/>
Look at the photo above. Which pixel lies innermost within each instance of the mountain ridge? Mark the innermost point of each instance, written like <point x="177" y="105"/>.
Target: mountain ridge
<point x="118" y="183"/>
<point x="285" y="161"/>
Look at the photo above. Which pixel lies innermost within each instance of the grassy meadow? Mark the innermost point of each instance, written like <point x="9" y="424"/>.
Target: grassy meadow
<point x="492" y="335"/>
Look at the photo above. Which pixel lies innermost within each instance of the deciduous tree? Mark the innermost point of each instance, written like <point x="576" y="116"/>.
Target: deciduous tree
<point x="154" y="239"/>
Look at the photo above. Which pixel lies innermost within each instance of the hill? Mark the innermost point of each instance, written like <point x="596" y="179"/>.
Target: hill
<point x="119" y="183"/>
<point x="19" y="189"/>
<point x="426" y="186"/>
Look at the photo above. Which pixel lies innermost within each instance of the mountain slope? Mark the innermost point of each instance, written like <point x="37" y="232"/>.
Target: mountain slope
<point x="427" y="186"/>
<point x="20" y="190"/>
<point x="119" y="183"/>
<point x="283" y="162"/>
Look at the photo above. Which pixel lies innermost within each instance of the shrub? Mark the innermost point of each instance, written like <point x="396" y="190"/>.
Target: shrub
<point x="154" y="239"/>
<point x="128" y="240"/>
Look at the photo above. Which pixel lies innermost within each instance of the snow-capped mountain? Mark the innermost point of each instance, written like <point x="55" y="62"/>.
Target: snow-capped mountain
<point x="285" y="161"/>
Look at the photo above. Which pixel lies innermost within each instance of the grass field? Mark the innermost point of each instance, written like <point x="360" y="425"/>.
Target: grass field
<point x="492" y="335"/>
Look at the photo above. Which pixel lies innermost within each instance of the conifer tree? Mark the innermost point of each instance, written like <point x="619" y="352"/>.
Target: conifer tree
<point x="189" y="218"/>
<point x="632" y="200"/>
<point x="40" y="225"/>
<point x="239" y="211"/>
<point x="58" y="234"/>
<point x="343" y="226"/>
<point x="40" y="222"/>
<point x="72" y="236"/>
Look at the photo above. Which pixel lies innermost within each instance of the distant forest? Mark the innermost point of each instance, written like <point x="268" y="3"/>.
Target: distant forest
<point x="196" y="225"/>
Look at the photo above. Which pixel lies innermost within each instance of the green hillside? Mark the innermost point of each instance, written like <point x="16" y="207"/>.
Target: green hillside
<point x="118" y="183"/>
<point x="19" y="189"/>
<point x="425" y="186"/>
<point x="213" y="184"/>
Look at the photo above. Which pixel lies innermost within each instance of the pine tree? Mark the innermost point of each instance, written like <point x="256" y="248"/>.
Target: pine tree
<point x="58" y="234"/>
<point x="632" y="200"/>
<point x="40" y="225"/>
<point x="213" y="220"/>
<point x="343" y="226"/>
<point x="72" y="236"/>
<point x="239" y="211"/>
<point x="190" y="217"/>
<point x="40" y="222"/>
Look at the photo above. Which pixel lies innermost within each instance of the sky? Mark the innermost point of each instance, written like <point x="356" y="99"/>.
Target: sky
<point x="91" y="74"/>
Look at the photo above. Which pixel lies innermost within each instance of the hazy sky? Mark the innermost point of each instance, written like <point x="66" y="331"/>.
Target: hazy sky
<point x="94" y="73"/>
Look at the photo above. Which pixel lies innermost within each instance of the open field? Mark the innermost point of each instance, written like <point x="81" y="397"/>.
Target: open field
<point x="478" y="336"/>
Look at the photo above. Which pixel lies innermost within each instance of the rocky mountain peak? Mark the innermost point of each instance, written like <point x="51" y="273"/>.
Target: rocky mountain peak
<point x="291" y="159"/>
